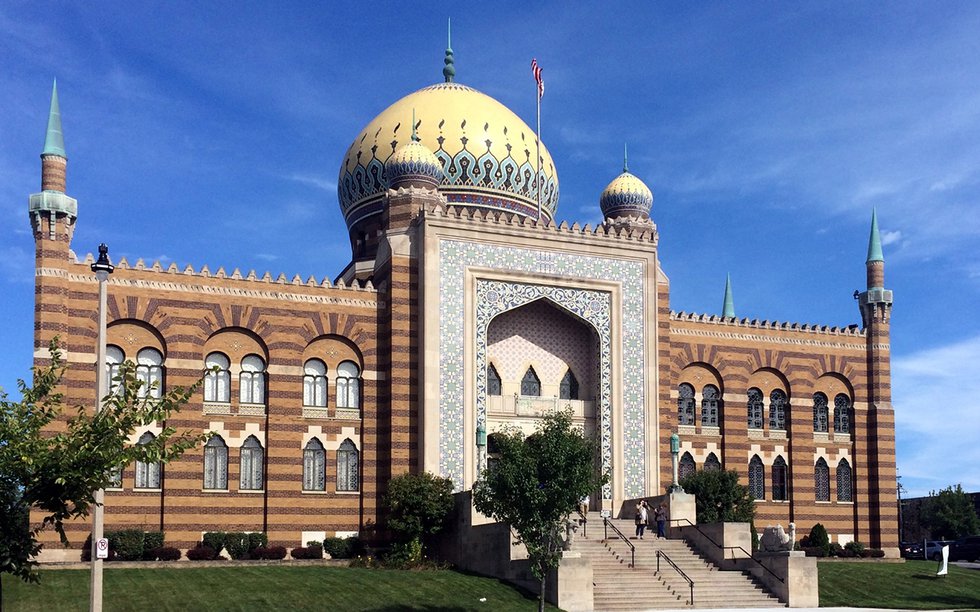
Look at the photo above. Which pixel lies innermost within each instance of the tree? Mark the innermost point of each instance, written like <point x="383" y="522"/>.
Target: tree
<point x="55" y="463"/>
<point x="536" y="483"/>
<point x="419" y="504"/>
<point x="720" y="497"/>
<point x="950" y="514"/>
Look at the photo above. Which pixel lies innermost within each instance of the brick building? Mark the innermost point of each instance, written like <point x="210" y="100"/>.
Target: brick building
<point x="465" y="308"/>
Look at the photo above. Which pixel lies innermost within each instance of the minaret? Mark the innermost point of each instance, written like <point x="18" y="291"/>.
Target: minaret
<point x="728" y="306"/>
<point x="877" y="433"/>
<point x="52" y="215"/>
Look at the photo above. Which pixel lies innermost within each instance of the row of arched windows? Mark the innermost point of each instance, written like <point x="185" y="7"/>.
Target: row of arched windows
<point x="778" y="409"/>
<point x="531" y="384"/>
<point x="252" y="466"/>
<point x="149" y="370"/>
<point x="778" y="473"/>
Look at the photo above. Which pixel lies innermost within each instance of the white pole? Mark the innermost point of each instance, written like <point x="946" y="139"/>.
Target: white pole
<point x="538" y="180"/>
<point x="102" y="270"/>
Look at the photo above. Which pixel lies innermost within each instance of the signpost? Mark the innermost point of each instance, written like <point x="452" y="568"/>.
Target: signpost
<point x="102" y="548"/>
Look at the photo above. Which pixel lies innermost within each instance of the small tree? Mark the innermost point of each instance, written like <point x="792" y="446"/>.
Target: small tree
<point x="419" y="505"/>
<point x="56" y="470"/>
<point x="536" y="483"/>
<point x="950" y="514"/>
<point x="719" y="497"/>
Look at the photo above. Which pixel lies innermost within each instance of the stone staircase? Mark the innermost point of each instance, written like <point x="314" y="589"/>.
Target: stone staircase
<point x="620" y="587"/>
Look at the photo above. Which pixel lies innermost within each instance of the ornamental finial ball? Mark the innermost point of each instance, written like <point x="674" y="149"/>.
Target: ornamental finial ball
<point x="675" y="444"/>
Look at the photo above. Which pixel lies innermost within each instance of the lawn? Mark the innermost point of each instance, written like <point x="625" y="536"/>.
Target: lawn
<point x="266" y="588"/>
<point x="912" y="585"/>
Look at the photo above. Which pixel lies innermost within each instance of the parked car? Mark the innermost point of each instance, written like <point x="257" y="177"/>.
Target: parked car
<point x="912" y="550"/>
<point x="934" y="549"/>
<point x="965" y="549"/>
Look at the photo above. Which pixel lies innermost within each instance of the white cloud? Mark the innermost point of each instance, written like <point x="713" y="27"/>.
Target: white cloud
<point x="317" y="181"/>
<point x="936" y="393"/>
<point x="890" y="237"/>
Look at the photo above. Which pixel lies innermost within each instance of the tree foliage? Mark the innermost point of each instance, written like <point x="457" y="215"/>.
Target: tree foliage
<point x="950" y="514"/>
<point x="55" y="463"/>
<point x="720" y="497"/>
<point x="419" y="505"/>
<point x="536" y="483"/>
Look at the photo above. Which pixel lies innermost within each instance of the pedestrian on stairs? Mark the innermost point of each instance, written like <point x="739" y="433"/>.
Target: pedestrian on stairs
<point x="660" y="515"/>
<point x="641" y="518"/>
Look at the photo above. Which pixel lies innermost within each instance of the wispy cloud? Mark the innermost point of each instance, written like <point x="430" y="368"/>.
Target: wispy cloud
<point x="890" y="237"/>
<point x="317" y="181"/>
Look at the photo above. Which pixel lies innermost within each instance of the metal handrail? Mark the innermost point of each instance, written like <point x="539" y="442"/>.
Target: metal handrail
<point x="732" y="548"/>
<point x="690" y="582"/>
<point x="585" y="523"/>
<point x="606" y="523"/>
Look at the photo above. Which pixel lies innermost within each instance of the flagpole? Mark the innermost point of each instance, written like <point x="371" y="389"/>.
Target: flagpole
<point x="538" y="180"/>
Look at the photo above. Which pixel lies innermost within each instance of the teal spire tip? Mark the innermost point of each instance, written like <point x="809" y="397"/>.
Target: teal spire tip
<point x="626" y="166"/>
<point x="54" y="139"/>
<point x="449" y="70"/>
<point x="728" y="308"/>
<point x="874" y="242"/>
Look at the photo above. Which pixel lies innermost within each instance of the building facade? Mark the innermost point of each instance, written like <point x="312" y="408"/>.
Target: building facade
<point x="465" y="308"/>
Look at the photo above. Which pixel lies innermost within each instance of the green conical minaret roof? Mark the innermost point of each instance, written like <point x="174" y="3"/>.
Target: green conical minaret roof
<point x="728" y="308"/>
<point x="54" y="140"/>
<point x="874" y="243"/>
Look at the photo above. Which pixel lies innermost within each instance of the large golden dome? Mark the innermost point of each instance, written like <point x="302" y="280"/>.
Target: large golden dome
<point x="486" y="152"/>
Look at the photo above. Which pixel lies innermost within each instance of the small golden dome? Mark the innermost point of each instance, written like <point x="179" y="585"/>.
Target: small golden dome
<point x="626" y="196"/>
<point x="413" y="164"/>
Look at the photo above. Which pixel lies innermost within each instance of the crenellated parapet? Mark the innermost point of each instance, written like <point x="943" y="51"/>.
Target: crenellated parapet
<point x="850" y="330"/>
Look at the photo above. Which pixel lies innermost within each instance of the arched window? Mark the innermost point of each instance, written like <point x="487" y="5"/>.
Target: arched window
<point x="685" y="404"/>
<point x="251" y="465"/>
<point x="821" y="480"/>
<point x="314" y="466"/>
<point x="315" y="383"/>
<point x="114" y="357"/>
<point x="147" y="474"/>
<point x="777" y="410"/>
<point x="216" y="464"/>
<point x="149" y="371"/>
<point x="348" y="385"/>
<point x="217" y="381"/>
<point x="686" y="467"/>
<point x="779" y="479"/>
<point x="347" y="467"/>
<point x="711" y="463"/>
<point x="755" y="408"/>
<point x="568" y="389"/>
<point x="844" y="481"/>
<point x="757" y="478"/>
<point x="531" y="384"/>
<point x="493" y="380"/>
<point x="819" y="412"/>
<point x="710" y="414"/>
<point x="251" y="381"/>
<point x="842" y="414"/>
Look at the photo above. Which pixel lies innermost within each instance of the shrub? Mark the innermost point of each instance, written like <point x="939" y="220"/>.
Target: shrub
<point x="343" y="548"/>
<point x="128" y="543"/>
<point x="818" y="536"/>
<point x="720" y="497"/>
<point x="815" y="551"/>
<point x="308" y="552"/>
<point x="835" y="550"/>
<point x="162" y="553"/>
<point x="152" y="540"/>
<point x="214" y="540"/>
<point x="257" y="539"/>
<point x="876" y="553"/>
<point x="855" y="547"/>
<point x="419" y="505"/>
<point x="202" y="553"/>
<point x="270" y="552"/>
<point x="237" y="544"/>
<point x="405" y="555"/>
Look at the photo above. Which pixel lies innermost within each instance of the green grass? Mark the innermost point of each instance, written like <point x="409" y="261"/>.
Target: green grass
<point x="266" y="588"/>
<point x="912" y="585"/>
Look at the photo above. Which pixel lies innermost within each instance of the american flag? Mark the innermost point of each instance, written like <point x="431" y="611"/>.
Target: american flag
<point x="536" y="70"/>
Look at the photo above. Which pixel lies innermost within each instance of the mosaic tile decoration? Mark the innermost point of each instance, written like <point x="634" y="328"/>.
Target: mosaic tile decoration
<point x="455" y="257"/>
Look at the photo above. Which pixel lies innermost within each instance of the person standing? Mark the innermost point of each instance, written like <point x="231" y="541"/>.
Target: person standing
<point x="641" y="518"/>
<point x="660" y="515"/>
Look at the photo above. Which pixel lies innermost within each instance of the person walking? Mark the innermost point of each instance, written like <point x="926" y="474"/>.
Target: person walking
<point x="641" y="518"/>
<point x="660" y="515"/>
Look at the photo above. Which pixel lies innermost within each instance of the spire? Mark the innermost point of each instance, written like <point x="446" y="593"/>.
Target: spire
<point x="449" y="70"/>
<point x="728" y="308"/>
<point x="626" y="166"/>
<point x="874" y="243"/>
<point x="54" y="140"/>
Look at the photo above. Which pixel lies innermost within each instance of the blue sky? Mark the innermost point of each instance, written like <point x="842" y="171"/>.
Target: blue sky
<point x="212" y="133"/>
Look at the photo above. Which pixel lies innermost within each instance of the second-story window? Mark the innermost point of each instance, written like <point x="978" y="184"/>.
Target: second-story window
<point x="217" y="380"/>
<point x="315" y="383"/>
<point x="149" y="371"/>
<point x="531" y="384"/>
<point x="251" y="381"/>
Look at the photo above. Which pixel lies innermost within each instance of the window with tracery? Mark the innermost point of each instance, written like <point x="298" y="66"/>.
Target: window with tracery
<point x="217" y="380"/>
<point x="777" y="410"/>
<point x="251" y="381"/>
<point x="114" y="357"/>
<point x="842" y="414"/>
<point x="149" y="371"/>
<point x="347" y="467"/>
<point x="844" y="488"/>
<point x="685" y="404"/>
<point x="710" y="401"/>
<point x="216" y="464"/>
<point x="686" y="467"/>
<point x="314" y="466"/>
<point x="757" y="478"/>
<point x="493" y="380"/>
<point x="711" y="463"/>
<point x="819" y="412"/>
<point x="568" y="389"/>
<point x="147" y="474"/>
<point x="821" y="480"/>
<point x="755" y="408"/>
<point x="531" y="384"/>
<point x="779" y="479"/>
<point x="315" y="384"/>
<point x="348" y="385"/>
<point x="251" y="465"/>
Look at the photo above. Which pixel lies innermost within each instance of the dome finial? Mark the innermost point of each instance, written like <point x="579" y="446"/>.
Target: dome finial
<point x="449" y="70"/>
<point x="415" y="136"/>
<point x="626" y="166"/>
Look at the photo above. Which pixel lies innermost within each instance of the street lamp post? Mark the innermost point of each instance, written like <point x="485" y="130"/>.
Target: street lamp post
<point x="102" y="269"/>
